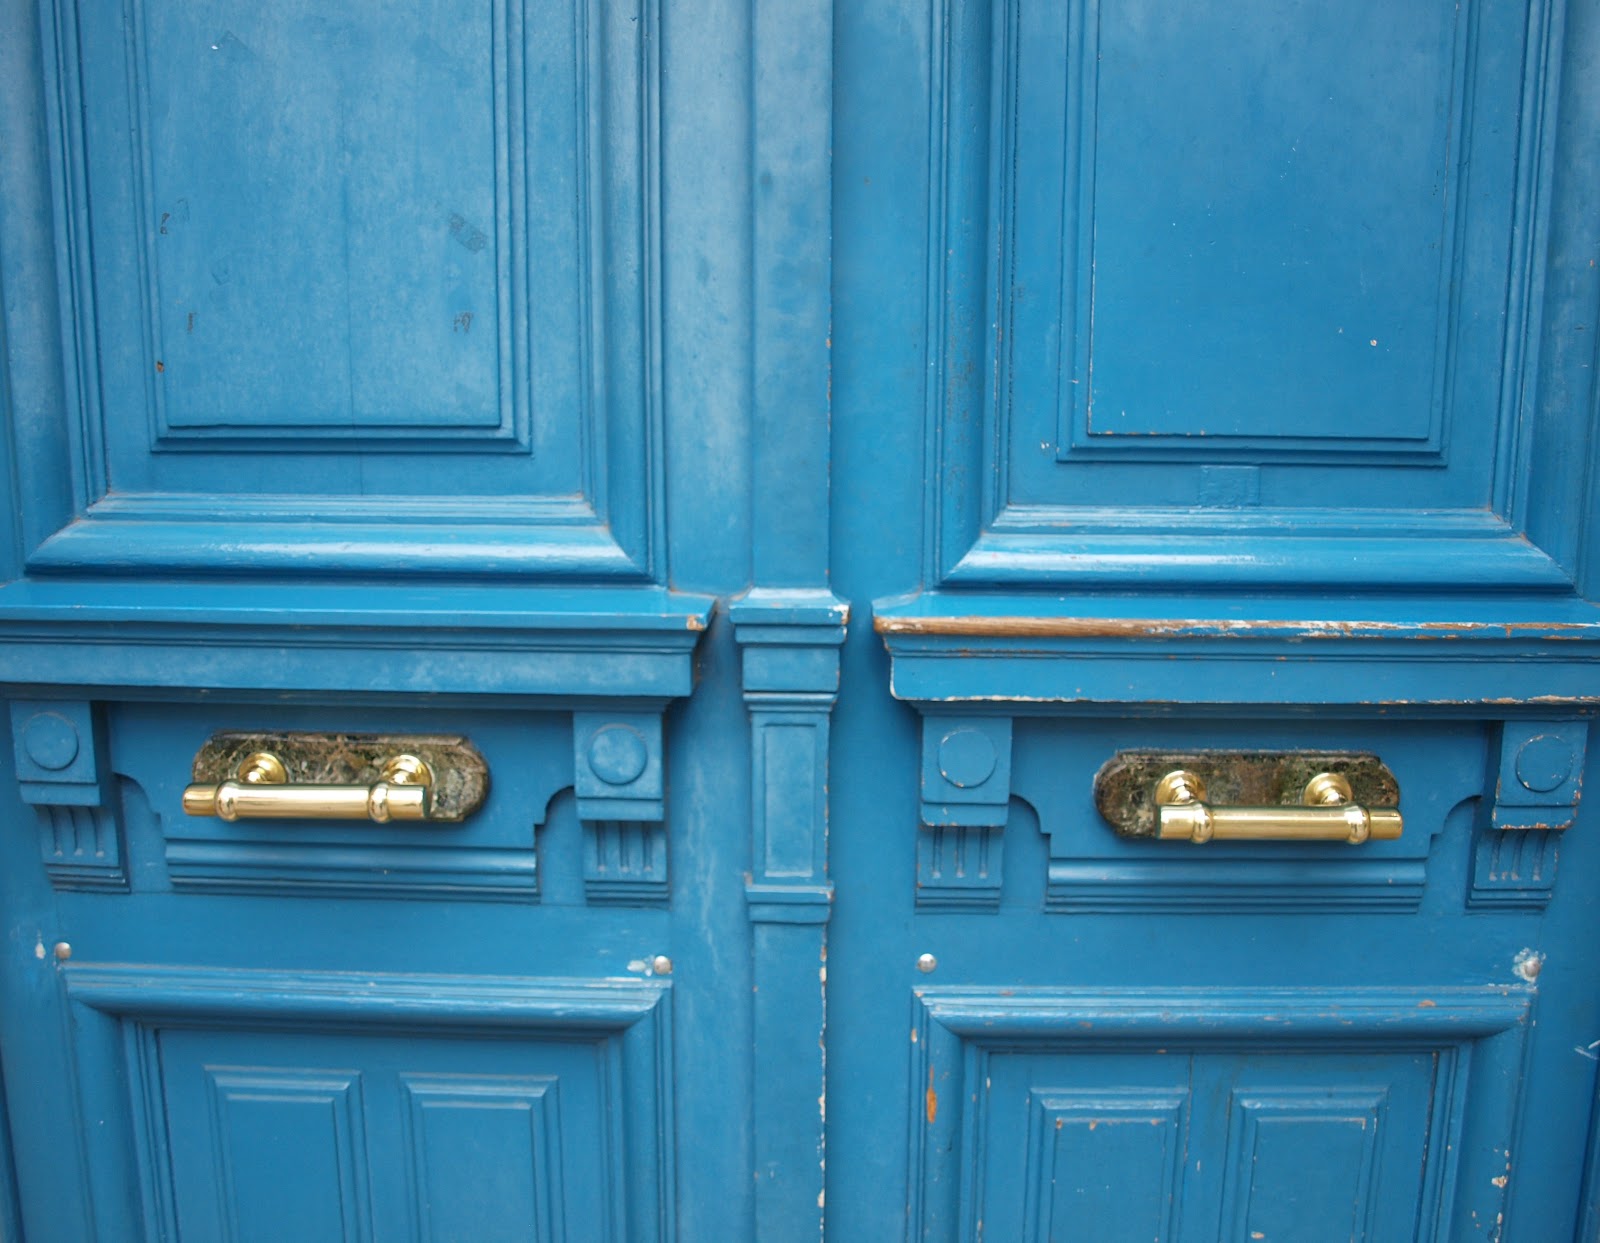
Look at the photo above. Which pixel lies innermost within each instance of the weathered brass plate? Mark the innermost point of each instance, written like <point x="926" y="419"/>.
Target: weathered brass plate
<point x="1125" y="788"/>
<point x="460" y="775"/>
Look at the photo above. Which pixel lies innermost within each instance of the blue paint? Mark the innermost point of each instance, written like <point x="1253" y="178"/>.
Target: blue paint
<point x="554" y="374"/>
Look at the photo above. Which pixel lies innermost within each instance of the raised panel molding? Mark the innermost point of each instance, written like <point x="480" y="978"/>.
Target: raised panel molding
<point x="1065" y="1130"/>
<point x="1477" y="1036"/>
<point x="1213" y="503"/>
<point x="122" y="1011"/>
<point x="1411" y="429"/>
<point x="552" y="393"/>
<point x="447" y="1118"/>
<point x="311" y="1120"/>
<point x="190" y="247"/>
<point x="1333" y="1118"/>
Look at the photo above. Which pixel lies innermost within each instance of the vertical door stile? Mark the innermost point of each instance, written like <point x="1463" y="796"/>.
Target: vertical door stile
<point x="789" y="625"/>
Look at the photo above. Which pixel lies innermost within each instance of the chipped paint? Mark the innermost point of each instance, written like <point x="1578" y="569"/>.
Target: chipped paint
<point x="976" y="626"/>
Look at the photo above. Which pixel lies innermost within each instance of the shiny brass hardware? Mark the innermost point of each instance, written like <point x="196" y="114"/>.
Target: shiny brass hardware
<point x="1201" y="796"/>
<point x="1326" y="814"/>
<point x="336" y="777"/>
<point x="261" y="791"/>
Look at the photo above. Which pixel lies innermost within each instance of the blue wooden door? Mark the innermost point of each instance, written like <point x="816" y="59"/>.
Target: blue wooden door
<point x="487" y="411"/>
<point x="1213" y="386"/>
<point x="338" y="407"/>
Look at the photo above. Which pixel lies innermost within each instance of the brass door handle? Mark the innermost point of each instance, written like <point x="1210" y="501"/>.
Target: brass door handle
<point x="1326" y="814"/>
<point x="260" y="790"/>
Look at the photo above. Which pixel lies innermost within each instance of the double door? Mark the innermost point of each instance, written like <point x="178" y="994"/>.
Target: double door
<point x="728" y="520"/>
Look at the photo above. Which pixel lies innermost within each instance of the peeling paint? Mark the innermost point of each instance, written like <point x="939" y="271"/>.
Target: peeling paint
<point x="1527" y="964"/>
<point x="1167" y="627"/>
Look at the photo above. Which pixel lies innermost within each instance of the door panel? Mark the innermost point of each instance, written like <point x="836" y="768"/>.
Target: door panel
<point x="1175" y="295"/>
<point x="393" y="1107"/>
<point x="357" y="293"/>
<point x="1318" y="1146"/>
<point x="1119" y="477"/>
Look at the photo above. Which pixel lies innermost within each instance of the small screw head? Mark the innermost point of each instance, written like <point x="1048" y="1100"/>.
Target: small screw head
<point x="926" y="963"/>
<point x="661" y="965"/>
<point x="63" y="951"/>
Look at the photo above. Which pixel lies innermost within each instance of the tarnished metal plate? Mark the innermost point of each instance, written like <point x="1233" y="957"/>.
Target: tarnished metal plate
<point x="1125" y="788"/>
<point x="460" y="775"/>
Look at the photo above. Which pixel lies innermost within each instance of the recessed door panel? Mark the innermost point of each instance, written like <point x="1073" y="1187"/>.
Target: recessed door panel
<point x="1195" y="1145"/>
<point x="327" y="1105"/>
<point x="1178" y="291"/>
<point x="360" y="290"/>
<point x="243" y="1133"/>
<point x="1196" y="1115"/>
<point x="387" y="1137"/>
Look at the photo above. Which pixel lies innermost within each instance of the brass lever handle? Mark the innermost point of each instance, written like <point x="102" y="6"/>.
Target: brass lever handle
<point x="1327" y="814"/>
<point x="260" y="790"/>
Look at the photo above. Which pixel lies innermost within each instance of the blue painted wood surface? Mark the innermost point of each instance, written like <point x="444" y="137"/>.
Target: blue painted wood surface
<point x="1116" y="479"/>
<point x="1149" y="376"/>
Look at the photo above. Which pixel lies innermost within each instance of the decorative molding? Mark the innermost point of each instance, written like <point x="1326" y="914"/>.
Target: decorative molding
<point x="340" y="641"/>
<point x="1512" y="871"/>
<point x="176" y="341"/>
<point x="436" y="1106"/>
<point x="1480" y="1033"/>
<point x="985" y="529"/>
<point x="1150" y="1125"/>
<point x="968" y="786"/>
<point x="618" y="762"/>
<point x="1076" y="437"/>
<point x="1535" y="787"/>
<point x="789" y="648"/>
<point x="625" y="863"/>
<point x="966" y="770"/>
<point x="959" y="867"/>
<point x="966" y="793"/>
<point x="789" y="644"/>
<point x="955" y="653"/>
<point x="612" y="760"/>
<point x="621" y="801"/>
<point x="120" y="1012"/>
<point x="1539" y="780"/>
<point x="63" y="773"/>
<point x="258" y="859"/>
<point x="1240" y="880"/>
<point x="326" y="1103"/>
<point x="131" y="327"/>
<point x="1361" y="1113"/>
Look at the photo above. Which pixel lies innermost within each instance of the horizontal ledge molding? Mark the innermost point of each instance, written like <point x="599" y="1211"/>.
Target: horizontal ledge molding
<point x="1494" y="560"/>
<point x="236" y="994"/>
<point x="542" y="548"/>
<point x="1450" y="1015"/>
<point x="1154" y="651"/>
<point x="371" y="639"/>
